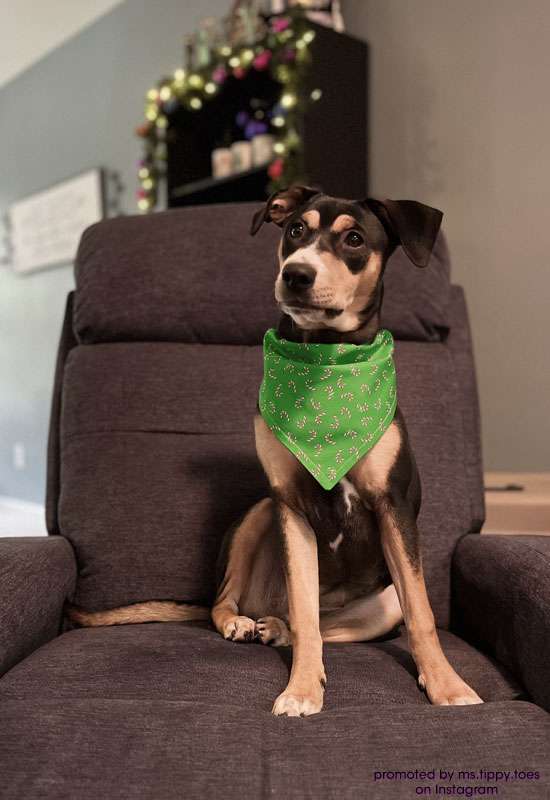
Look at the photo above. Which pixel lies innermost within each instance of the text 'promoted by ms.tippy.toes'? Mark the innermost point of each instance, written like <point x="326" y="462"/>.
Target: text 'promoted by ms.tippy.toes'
<point x="457" y="783"/>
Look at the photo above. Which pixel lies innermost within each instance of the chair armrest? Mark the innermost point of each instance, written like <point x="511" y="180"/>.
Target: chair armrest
<point x="501" y="603"/>
<point x="37" y="574"/>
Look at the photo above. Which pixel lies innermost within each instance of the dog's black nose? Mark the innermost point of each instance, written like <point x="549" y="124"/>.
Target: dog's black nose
<point x="298" y="276"/>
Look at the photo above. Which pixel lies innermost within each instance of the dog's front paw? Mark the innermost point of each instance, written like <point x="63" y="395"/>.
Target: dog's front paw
<point x="239" y="629"/>
<point x="448" y="690"/>
<point x="299" y="704"/>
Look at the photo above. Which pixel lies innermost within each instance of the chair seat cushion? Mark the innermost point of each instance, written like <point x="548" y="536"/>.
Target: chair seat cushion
<point x="192" y="662"/>
<point x="172" y="710"/>
<point x="90" y="748"/>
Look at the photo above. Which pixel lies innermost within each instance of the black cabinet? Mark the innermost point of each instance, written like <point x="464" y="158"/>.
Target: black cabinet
<point x="333" y="130"/>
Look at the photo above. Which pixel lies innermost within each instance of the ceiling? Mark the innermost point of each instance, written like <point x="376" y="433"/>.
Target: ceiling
<point x="30" y="29"/>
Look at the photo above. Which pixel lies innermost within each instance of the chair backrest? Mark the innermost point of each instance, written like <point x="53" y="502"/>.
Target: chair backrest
<point x="151" y="452"/>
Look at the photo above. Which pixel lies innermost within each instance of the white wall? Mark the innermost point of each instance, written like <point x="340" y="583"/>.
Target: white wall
<point x="460" y="119"/>
<point x="31" y="29"/>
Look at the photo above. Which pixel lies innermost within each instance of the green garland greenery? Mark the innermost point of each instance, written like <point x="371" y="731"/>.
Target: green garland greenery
<point x="284" y="52"/>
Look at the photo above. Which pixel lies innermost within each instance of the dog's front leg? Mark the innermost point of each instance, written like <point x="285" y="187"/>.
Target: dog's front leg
<point x="400" y="544"/>
<point x="304" y="693"/>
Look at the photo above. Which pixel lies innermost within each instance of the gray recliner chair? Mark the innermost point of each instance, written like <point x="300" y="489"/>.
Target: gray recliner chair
<point x="151" y="457"/>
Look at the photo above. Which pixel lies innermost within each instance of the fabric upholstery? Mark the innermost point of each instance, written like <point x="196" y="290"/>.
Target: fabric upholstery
<point x="37" y="575"/>
<point x="195" y="275"/>
<point x="169" y="749"/>
<point x="501" y="602"/>
<point x="192" y="662"/>
<point x="158" y="459"/>
<point x="66" y="342"/>
<point x="416" y="301"/>
<point x="459" y="342"/>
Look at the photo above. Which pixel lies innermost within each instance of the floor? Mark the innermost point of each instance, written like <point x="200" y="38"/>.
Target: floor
<point x="21" y="518"/>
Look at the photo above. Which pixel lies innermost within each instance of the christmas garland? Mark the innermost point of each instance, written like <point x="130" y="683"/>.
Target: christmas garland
<point x="284" y="52"/>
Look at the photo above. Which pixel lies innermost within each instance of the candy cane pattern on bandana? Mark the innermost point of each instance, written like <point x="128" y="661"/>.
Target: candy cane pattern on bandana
<point x="328" y="403"/>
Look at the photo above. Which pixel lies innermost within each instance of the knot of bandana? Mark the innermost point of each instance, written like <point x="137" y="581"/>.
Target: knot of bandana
<point x="328" y="403"/>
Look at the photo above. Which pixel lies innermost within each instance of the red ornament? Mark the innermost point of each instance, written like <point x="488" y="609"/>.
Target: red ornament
<point x="262" y="60"/>
<point x="280" y="24"/>
<point x="239" y="73"/>
<point x="143" y="130"/>
<point x="275" y="169"/>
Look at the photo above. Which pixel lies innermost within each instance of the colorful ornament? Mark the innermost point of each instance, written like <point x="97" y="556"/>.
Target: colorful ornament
<point x="219" y="75"/>
<point x="255" y="128"/>
<point x="144" y="130"/>
<point x="281" y="50"/>
<point x="262" y="60"/>
<point x="275" y="169"/>
<point x="280" y="24"/>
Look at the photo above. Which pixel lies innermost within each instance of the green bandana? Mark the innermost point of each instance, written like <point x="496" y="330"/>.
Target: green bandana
<point x="328" y="403"/>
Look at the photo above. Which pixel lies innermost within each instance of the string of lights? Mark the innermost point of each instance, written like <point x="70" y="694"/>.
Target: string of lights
<point x="284" y="52"/>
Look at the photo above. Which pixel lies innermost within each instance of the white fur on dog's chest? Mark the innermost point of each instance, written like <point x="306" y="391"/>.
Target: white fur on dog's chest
<point x="349" y="493"/>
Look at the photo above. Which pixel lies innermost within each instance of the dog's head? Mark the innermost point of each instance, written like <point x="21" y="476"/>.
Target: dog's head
<point x="333" y="252"/>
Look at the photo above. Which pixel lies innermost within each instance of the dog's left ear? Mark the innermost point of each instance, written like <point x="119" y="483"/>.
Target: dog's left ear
<point x="414" y="226"/>
<point x="281" y="205"/>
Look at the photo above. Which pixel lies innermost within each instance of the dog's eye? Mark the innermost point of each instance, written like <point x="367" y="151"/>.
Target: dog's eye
<point x="354" y="239"/>
<point x="296" y="230"/>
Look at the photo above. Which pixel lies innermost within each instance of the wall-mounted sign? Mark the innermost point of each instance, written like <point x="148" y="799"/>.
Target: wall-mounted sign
<point x="45" y="228"/>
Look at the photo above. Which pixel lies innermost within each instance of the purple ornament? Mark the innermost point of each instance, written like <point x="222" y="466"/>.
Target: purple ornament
<point x="242" y="118"/>
<point x="262" y="60"/>
<point x="254" y="128"/>
<point x="219" y="75"/>
<point x="280" y="24"/>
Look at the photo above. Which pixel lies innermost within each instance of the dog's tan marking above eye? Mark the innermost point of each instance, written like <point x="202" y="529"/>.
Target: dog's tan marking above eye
<point x="312" y="218"/>
<point x="342" y="223"/>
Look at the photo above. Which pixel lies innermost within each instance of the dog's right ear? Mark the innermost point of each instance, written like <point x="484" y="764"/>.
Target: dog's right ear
<point x="281" y="205"/>
<point x="412" y="225"/>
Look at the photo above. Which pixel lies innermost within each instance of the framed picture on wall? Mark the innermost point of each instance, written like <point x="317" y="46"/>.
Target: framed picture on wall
<point x="45" y="227"/>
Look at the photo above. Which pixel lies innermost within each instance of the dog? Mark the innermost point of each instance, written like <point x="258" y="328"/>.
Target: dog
<point x="308" y="565"/>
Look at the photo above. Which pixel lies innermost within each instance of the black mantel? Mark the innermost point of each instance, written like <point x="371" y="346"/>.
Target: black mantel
<point x="333" y="130"/>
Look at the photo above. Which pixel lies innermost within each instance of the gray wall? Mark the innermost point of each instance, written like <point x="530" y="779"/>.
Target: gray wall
<point x="460" y="120"/>
<point x="75" y="109"/>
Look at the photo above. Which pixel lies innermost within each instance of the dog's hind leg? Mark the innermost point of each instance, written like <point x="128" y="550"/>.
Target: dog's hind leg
<point x="363" y="618"/>
<point x="242" y="549"/>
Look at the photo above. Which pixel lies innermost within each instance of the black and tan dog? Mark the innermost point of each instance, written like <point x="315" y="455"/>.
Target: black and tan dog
<point x="307" y="565"/>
